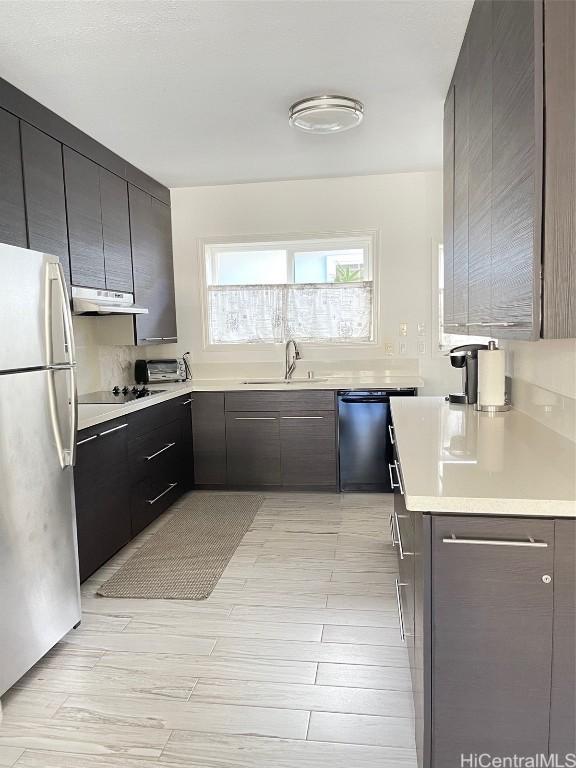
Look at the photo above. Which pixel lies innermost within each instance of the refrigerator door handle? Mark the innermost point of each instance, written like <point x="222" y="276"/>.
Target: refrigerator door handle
<point x="67" y="454"/>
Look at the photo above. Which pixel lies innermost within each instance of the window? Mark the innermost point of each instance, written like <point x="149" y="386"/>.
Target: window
<point x="317" y="290"/>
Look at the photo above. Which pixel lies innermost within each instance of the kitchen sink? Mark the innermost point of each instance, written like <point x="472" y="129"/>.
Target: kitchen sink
<point x="293" y="380"/>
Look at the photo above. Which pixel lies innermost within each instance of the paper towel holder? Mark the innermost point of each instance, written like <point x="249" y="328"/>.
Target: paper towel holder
<point x="493" y="408"/>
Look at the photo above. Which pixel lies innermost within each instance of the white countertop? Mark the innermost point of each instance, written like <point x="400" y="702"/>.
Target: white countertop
<point x="456" y="460"/>
<point x="92" y="414"/>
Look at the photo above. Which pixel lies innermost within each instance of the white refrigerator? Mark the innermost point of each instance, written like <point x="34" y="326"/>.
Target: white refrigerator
<point x="39" y="584"/>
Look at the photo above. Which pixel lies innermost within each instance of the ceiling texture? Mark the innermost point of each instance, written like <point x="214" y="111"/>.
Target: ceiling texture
<point x="197" y="92"/>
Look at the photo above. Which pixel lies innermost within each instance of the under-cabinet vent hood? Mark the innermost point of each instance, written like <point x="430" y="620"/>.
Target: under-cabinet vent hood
<point x="94" y="301"/>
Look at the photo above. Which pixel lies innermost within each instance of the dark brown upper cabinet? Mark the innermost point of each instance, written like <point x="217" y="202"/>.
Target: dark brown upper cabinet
<point x="44" y="194"/>
<point x="150" y="226"/>
<point x="116" y="232"/>
<point x="461" y="211"/>
<point x="12" y="210"/>
<point x="98" y="225"/>
<point x="503" y="283"/>
<point x="84" y="220"/>
<point x="559" y="316"/>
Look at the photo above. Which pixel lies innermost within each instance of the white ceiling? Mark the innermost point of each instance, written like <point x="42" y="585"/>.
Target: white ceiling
<point x="197" y="91"/>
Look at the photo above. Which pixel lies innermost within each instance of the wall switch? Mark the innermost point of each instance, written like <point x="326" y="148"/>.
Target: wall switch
<point x="403" y="329"/>
<point x="402" y="348"/>
<point x="388" y="348"/>
<point x="421" y="347"/>
<point x="421" y="329"/>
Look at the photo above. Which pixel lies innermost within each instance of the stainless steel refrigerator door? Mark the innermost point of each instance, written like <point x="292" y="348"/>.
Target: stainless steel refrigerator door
<point x="39" y="583"/>
<point x="34" y="310"/>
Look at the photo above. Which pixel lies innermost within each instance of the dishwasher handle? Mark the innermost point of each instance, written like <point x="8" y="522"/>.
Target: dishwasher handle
<point x="375" y="399"/>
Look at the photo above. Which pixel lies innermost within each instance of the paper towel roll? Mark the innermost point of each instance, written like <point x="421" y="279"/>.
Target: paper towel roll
<point x="491" y="376"/>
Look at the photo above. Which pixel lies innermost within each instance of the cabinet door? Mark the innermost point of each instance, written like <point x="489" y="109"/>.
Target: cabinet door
<point x="480" y="167"/>
<point x="44" y="193"/>
<point x="12" y="211"/>
<point x="153" y="268"/>
<point x="559" y="319"/>
<point x="563" y="711"/>
<point x="308" y="443"/>
<point x="209" y="435"/>
<point x="102" y="486"/>
<point x="517" y="167"/>
<point x="448" y="181"/>
<point x="253" y="449"/>
<point x="491" y="636"/>
<point x="461" y="150"/>
<point x="116" y="232"/>
<point x="82" y="179"/>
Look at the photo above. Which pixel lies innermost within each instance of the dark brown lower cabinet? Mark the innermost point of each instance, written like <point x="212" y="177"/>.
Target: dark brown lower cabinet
<point x="487" y="609"/>
<point x="491" y="636"/>
<point x="308" y="449"/>
<point x="102" y="488"/>
<point x="209" y="436"/>
<point x="563" y="708"/>
<point x="253" y="448"/>
<point x="127" y="473"/>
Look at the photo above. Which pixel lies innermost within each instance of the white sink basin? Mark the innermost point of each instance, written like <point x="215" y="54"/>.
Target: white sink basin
<point x="293" y="380"/>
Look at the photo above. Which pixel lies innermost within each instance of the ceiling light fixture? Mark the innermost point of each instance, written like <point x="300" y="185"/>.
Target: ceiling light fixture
<point x="326" y="114"/>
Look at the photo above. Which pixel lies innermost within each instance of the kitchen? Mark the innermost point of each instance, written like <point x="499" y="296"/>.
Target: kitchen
<point x="270" y="495"/>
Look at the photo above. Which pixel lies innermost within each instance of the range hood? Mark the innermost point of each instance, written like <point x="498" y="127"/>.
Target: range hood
<point x="96" y="301"/>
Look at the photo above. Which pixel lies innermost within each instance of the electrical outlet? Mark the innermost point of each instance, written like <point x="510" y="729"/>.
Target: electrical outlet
<point x="402" y="348"/>
<point x="421" y="347"/>
<point x="421" y="329"/>
<point x="403" y="329"/>
<point x="388" y="348"/>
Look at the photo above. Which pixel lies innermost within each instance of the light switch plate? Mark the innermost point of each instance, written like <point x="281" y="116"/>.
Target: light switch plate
<point x="421" y="347"/>
<point x="402" y="348"/>
<point x="421" y="329"/>
<point x="403" y="329"/>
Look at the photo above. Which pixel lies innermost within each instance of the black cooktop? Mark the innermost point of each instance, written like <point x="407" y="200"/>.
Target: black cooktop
<point x="117" y="395"/>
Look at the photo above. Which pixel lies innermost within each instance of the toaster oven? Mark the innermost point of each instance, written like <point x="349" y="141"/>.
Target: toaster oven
<point x="159" y="371"/>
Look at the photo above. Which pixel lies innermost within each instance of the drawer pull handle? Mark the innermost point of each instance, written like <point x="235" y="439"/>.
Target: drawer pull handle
<point x="166" y="447"/>
<point x="401" y="549"/>
<point x="86" y="440"/>
<point x="114" y="429"/>
<point x="302" y="417"/>
<point x="392" y="532"/>
<point x="530" y="542"/>
<point x="153" y="501"/>
<point x="186" y="402"/>
<point x="392" y="483"/>
<point x="403" y="633"/>
<point x="391" y="433"/>
<point x="255" y="418"/>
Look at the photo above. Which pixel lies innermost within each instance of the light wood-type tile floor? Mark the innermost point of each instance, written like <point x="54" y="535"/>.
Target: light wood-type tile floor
<point x="295" y="661"/>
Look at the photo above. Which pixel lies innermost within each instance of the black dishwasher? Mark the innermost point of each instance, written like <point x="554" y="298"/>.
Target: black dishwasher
<point x="365" y="438"/>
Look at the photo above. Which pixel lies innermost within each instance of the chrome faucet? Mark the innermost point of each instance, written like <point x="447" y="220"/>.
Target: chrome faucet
<point x="291" y="362"/>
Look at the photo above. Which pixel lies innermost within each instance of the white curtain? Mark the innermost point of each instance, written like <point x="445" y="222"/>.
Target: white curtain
<point x="316" y="312"/>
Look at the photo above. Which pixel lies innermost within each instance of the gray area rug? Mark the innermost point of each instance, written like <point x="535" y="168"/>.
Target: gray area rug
<point x="186" y="557"/>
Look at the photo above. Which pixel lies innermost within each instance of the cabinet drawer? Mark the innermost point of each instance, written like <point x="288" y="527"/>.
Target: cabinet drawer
<point x="296" y="400"/>
<point x="153" y="494"/>
<point x="155" y="416"/>
<point x="155" y="448"/>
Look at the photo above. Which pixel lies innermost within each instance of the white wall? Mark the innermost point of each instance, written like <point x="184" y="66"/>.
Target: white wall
<point x="406" y="211"/>
<point x="543" y="377"/>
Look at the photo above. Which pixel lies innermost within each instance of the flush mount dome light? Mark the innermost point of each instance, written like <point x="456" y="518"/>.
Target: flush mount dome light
<point x="326" y="114"/>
